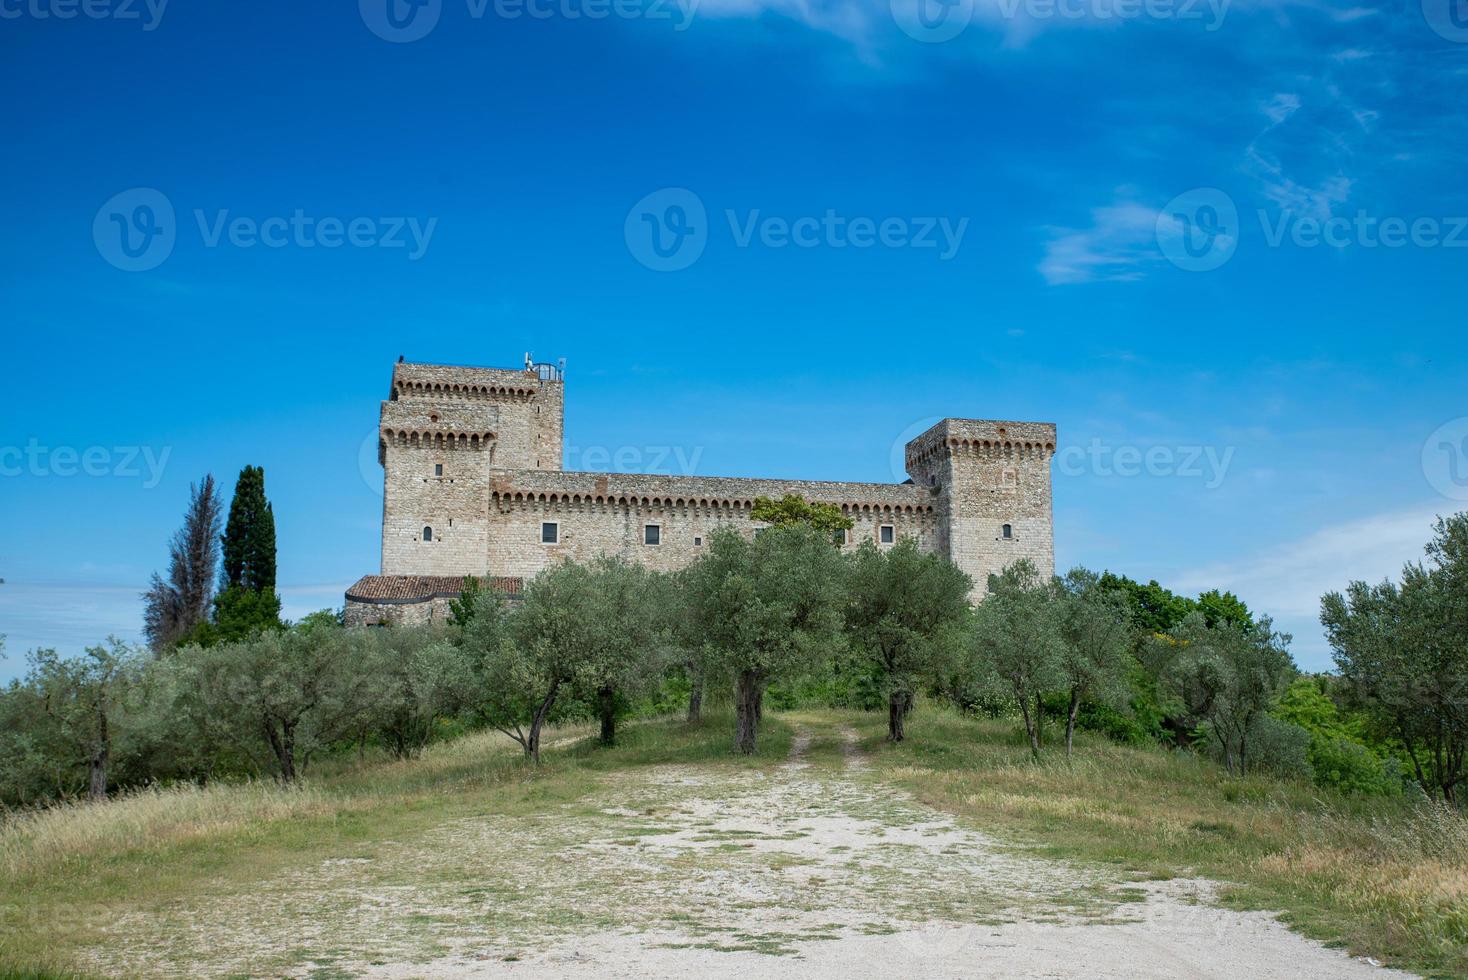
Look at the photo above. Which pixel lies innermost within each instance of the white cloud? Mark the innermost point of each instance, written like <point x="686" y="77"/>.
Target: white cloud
<point x="1286" y="580"/>
<point x="1120" y="243"/>
<point x="1281" y="107"/>
<point x="850" y="20"/>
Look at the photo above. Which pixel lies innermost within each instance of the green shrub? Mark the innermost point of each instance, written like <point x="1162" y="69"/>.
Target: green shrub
<point x="1353" y="768"/>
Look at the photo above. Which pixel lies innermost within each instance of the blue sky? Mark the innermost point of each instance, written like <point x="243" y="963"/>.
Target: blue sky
<point x="1221" y="246"/>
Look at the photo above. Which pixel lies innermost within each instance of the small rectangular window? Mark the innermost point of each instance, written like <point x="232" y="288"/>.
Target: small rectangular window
<point x="550" y="533"/>
<point x="652" y="534"/>
<point x="438" y="469"/>
<point x="887" y="534"/>
<point x="698" y="542"/>
<point x="840" y="536"/>
<point x="1007" y="531"/>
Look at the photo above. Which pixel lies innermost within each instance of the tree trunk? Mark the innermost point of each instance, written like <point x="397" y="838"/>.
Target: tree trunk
<point x="746" y="708"/>
<point x="695" y="700"/>
<point x="537" y="721"/>
<point x="97" y="764"/>
<point x="1039" y="721"/>
<point x="283" y="744"/>
<point x="1070" y="718"/>
<point x="1024" y="709"/>
<point x="896" y="711"/>
<point x="606" y="702"/>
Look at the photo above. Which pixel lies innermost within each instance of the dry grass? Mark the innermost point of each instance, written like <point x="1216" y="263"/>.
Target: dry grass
<point x="70" y="874"/>
<point x="1387" y="879"/>
<point x="151" y="821"/>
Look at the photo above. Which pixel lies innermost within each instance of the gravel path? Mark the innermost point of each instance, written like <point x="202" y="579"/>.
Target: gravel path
<point x="820" y="871"/>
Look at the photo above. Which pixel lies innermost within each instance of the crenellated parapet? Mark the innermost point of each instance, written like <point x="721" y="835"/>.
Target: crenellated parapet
<point x="979" y="439"/>
<point x="473" y="485"/>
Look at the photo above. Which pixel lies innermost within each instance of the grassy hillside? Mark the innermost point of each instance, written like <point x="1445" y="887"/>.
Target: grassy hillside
<point x="1379" y="877"/>
<point x="73" y="873"/>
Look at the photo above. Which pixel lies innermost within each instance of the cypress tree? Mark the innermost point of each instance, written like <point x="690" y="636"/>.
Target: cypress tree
<point x="249" y="535"/>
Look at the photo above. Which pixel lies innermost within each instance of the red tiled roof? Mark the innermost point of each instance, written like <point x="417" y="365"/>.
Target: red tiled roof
<point x="403" y="589"/>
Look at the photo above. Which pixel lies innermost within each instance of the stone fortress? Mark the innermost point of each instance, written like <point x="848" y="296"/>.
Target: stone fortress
<point x="473" y="485"/>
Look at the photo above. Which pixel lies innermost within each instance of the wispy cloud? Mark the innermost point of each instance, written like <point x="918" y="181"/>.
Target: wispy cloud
<point x="1117" y="247"/>
<point x="1287" y="579"/>
<point x="1316" y="150"/>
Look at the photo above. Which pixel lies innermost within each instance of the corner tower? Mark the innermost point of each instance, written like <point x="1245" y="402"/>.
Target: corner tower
<point x="991" y="487"/>
<point x="442" y="430"/>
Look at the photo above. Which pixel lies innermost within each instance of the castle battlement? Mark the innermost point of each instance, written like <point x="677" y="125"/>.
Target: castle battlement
<point x="980" y="493"/>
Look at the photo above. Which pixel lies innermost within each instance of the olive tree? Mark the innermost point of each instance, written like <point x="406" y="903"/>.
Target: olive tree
<point x="580" y="631"/>
<point x="1229" y="678"/>
<point x="624" y="656"/>
<point x="904" y="614"/>
<point x="1097" y="637"/>
<point x="402" y="671"/>
<point x="1016" y="639"/>
<point x="766" y="607"/>
<point x="1404" y="651"/>
<point x="297" y="689"/>
<point x="63" y="720"/>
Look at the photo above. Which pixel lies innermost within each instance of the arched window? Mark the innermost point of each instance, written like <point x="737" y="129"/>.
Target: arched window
<point x="428" y="534"/>
<point x="1008" y="531"/>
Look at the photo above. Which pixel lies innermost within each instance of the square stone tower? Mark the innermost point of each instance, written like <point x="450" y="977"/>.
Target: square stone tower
<point x="442" y="430"/>
<point x="991" y="483"/>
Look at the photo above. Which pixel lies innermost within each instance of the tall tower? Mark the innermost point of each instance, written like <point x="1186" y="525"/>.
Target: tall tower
<point x="991" y="486"/>
<point x="442" y="431"/>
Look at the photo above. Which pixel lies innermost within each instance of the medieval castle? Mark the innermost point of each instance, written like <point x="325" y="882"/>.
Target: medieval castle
<point x="473" y="485"/>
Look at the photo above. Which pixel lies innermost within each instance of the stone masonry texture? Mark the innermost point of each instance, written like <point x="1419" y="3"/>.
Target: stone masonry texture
<point x="473" y="485"/>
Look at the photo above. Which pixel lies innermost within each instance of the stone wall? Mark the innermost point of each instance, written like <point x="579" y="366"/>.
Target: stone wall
<point x="398" y="614"/>
<point x="472" y="473"/>
<point x="609" y="513"/>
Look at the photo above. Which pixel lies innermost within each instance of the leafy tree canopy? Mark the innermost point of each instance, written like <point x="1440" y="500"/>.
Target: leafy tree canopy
<point x="793" y="509"/>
